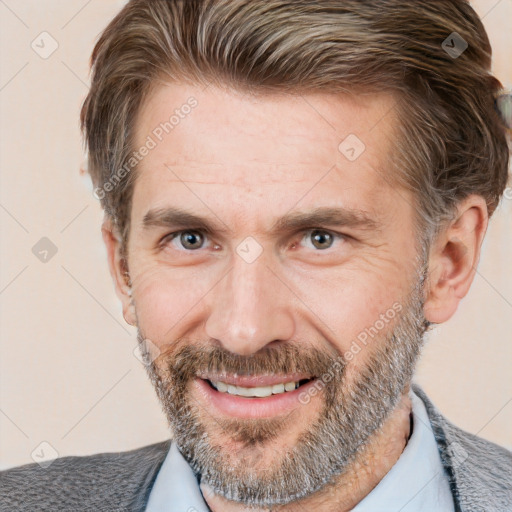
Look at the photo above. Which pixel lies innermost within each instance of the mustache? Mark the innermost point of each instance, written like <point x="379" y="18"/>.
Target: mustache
<point x="192" y="360"/>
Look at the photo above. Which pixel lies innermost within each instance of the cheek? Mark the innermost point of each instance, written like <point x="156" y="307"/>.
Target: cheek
<point x="355" y="309"/>
<point x="167" y="301"/>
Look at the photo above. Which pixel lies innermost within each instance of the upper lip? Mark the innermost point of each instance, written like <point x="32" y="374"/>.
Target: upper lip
<point x="253" y="381"/>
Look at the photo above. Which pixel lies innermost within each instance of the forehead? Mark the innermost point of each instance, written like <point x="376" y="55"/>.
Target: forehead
<point x="230" y="144"/>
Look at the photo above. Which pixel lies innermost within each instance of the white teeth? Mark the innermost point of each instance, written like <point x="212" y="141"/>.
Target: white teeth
<point x="260" y="392"/>
<point x="247" y="391"/>
<point x="221" y="386"/>
<point x="289" y="386"/>
<point x="277" y="388"/>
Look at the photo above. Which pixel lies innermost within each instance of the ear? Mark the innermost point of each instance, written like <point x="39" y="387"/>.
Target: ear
<point x="118" y="270"/>
<point x="453" y="259"/>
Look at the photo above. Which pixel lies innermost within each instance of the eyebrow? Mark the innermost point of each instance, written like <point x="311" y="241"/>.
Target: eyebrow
<point x="294" y="221"/>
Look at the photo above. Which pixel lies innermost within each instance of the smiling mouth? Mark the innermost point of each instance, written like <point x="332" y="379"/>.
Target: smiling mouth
<point x="259" y="391"/>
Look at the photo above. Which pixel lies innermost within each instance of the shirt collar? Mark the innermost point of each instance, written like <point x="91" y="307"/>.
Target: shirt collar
<point x="416" y="483"/>
<point x="176" y="488"/>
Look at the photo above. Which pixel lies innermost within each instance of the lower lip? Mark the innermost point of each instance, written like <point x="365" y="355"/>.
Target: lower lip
<point x="252" y="408"/>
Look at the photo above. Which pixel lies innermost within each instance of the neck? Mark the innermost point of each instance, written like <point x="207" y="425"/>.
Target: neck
<point x="360" y="478"/>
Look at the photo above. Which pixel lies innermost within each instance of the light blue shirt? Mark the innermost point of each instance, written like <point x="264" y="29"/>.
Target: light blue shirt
<point x="416" y="483"/>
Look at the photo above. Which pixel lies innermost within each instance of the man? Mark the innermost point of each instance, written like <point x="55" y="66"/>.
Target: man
<point x="294" y="191"/>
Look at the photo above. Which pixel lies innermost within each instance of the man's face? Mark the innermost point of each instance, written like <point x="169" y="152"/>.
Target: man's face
<point x="302" y="269"/>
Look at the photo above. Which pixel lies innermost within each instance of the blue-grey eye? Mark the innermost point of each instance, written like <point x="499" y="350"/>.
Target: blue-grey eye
<point x="191" y="239"/>
<point x="321" y="239"/>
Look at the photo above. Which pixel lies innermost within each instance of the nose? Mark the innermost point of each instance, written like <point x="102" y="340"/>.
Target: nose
<point x="249" y="308"/>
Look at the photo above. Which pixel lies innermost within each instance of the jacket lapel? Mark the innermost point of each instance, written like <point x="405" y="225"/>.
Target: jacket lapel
<point x="479" y="472"/>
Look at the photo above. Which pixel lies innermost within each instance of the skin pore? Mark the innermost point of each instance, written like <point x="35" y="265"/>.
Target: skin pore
<point x="249" y="282"/>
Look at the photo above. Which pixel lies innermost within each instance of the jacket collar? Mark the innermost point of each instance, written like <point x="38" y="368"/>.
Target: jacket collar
<point x="479" y="472"/>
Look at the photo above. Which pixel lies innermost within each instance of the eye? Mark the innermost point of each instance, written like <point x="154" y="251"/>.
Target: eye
<point x="190" y="240"/>
<point x="321" y="239"/>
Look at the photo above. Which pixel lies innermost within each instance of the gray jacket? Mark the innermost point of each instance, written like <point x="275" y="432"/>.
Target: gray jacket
<point x="480" y="476"/>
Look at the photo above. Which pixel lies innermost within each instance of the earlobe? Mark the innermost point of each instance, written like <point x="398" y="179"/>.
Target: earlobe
<point x="118" y="270"/>
<point x="442" y="301"/>
<point x="129" y="310"/>
<point x="453" y="259"/>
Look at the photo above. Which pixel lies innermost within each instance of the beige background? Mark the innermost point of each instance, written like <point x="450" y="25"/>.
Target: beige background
<point x="68" y="374"/>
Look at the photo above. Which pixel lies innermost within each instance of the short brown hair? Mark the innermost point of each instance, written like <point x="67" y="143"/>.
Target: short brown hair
<point x="451" y="141"/>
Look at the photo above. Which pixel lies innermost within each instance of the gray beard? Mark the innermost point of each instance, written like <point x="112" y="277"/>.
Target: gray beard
<point x="348" y="419"/>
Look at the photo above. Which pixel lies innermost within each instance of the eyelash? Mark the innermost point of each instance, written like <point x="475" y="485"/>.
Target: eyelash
<point x="171" y="236"/>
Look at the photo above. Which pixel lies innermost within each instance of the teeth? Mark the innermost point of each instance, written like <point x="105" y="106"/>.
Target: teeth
<point x="289" y="386"/>
<point x="259" y="392"/>
<point x="221" y="386"/>
<point x="277" y="388"/>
